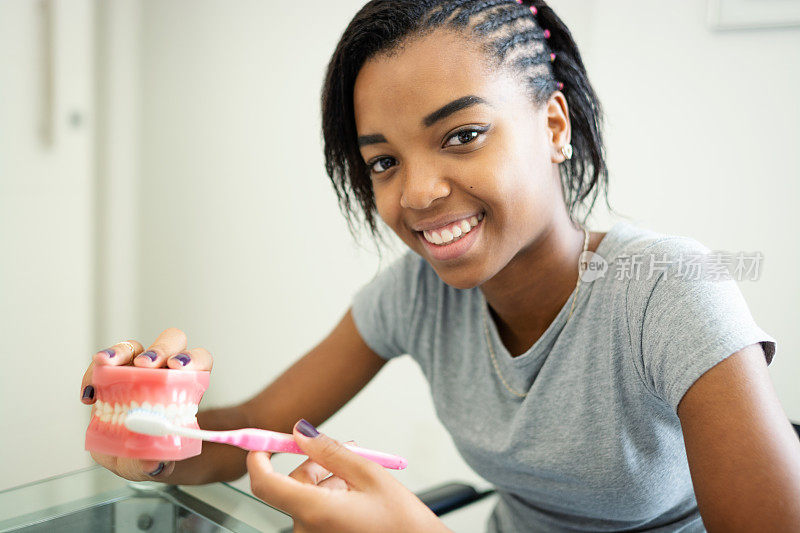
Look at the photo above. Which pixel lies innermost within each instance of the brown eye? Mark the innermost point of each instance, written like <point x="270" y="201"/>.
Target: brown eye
<point x="372" y="164"/>
<point x="466" y="136"/>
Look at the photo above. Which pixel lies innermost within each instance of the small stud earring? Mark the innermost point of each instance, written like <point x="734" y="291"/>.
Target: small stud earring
<point x="566" y="151"/>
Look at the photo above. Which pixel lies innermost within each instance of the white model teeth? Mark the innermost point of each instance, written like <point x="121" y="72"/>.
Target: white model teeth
<point x="115" y="413"/>
<point x="452" y="232"/>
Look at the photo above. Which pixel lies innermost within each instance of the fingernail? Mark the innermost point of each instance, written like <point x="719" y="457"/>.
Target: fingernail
<point x="183" y="358"/>
<point x="158" y="470"/>
<point x="108" y="351"/>
<point x="88" y="393"/>
<point x="150" y="354"/>
<point x="306" y="428"/>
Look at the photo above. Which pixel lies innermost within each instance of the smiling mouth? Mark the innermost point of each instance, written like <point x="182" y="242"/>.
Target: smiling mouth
<point x="451" y="232"/>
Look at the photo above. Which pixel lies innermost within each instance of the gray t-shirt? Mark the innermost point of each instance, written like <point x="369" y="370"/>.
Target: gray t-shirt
<point x="596" y="445"/>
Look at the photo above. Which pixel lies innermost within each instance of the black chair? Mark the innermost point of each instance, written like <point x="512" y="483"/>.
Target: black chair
<point x="454" y="495"/>
<point x="450" y="496"/>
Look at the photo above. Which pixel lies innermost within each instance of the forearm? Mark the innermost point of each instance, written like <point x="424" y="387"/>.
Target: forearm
<point x="314" y="387"/>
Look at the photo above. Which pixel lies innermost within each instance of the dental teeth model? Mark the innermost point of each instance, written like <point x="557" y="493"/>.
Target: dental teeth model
<point x="119" y="389"/>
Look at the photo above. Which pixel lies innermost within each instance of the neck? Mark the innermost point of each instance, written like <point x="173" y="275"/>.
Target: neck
<point x="527" y="295"/>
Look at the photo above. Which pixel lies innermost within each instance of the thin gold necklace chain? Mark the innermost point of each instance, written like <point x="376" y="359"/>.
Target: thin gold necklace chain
<point x="572" y="307"/>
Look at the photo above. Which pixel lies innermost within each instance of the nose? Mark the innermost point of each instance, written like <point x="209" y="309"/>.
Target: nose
<point x="422" y="186"/>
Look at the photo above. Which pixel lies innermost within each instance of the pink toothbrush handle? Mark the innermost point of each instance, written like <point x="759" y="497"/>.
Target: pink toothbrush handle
<point x="273" y="441"/>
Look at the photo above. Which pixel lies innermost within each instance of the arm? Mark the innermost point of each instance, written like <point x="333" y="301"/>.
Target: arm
<point x="743" y="454"/>
<point x="304" y="390"/>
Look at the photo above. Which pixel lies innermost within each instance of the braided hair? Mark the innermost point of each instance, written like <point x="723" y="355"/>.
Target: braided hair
<point x="524" y="38"/>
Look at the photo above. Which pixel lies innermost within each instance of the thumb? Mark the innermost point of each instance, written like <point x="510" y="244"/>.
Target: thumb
<point x="283" y="492"/>
<point x="331" y="454"/>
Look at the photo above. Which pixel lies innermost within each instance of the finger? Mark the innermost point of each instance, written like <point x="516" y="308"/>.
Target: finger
<point x="310" y="472"/>
<point x="118" y="354"/>
<point x="194" y="359"/>
<point x="333" y="483"/>
<point x="134" y="469"/>
<point x="357" y="471"/>
<point x="169" y="343"/>
<point x="285" y="493"/>
<point x="87" y="389"/>
<point x="156" y="470"/>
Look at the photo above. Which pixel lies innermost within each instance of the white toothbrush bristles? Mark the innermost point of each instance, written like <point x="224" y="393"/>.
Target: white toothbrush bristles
<point x="148" y="422"/>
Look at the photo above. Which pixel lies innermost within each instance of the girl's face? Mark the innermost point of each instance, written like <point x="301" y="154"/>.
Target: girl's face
<point x="440" y="166"/>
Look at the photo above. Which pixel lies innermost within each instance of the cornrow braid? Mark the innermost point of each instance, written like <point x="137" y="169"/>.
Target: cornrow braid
<point x="526" y="38"/>
<point x="493" y="23"/>
<point x="466" y="13"/>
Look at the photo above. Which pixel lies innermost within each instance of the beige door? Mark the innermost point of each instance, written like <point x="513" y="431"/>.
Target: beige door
<point x="46" y="234"/>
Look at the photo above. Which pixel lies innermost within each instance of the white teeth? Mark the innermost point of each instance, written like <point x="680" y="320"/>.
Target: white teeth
<point x="432" y="236"/>
<point x="115" y="413"/>
<point x="455" y="231"/>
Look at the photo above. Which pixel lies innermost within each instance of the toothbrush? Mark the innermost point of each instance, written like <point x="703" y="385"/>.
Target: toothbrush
<point x="156" y="424"/>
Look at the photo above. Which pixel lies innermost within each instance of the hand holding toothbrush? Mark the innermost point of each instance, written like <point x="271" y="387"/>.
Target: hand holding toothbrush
<point x="359" y="496"/>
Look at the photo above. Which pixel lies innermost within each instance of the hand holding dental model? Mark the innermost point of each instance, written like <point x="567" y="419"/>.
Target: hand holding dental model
<point x="109" y="384"/>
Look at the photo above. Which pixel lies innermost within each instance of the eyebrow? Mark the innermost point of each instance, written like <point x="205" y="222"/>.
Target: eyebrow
<point x="440" y="114"/>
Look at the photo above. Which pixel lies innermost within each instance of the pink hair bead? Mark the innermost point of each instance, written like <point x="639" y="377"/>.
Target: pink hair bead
<point x="552" y="57"/>
<point x="533" y="10"/>
<point x="546" y="34"/>
<point x="560" y="86"/>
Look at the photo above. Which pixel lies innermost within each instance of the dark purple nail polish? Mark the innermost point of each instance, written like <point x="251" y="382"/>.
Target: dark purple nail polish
<point x="150" y="354"/>
<point x="88" y="393"/>
<point x="158" y="470"/>
<point x="306" y="428"/>
<point x="183" y="358"/>
<point x="109" y="351"/>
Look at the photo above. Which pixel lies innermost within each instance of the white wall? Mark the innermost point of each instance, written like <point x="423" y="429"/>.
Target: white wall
<point x="702" y="141"/>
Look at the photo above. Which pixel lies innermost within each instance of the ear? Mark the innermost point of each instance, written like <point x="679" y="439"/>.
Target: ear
<point x="558" y="125"/>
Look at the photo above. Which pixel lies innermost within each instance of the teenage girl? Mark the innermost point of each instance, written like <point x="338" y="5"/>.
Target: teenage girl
<point x="634" y="400"/>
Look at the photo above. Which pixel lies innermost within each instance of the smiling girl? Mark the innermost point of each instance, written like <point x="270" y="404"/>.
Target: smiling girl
<point x="637" y="398"/>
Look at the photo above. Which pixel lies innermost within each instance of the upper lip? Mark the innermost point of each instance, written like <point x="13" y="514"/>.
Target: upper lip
<point x="443" y="220"/>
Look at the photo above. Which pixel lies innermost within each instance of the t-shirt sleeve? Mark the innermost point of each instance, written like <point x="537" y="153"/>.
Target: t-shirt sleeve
<point x="691" y="318"/>
<point x="382" y="309"/>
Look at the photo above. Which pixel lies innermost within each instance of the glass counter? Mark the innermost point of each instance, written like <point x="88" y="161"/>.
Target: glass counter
<point x="95" y="500"/>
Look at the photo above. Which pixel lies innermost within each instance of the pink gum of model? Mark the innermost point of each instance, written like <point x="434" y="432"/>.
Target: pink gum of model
<point x="121" y="388"/>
